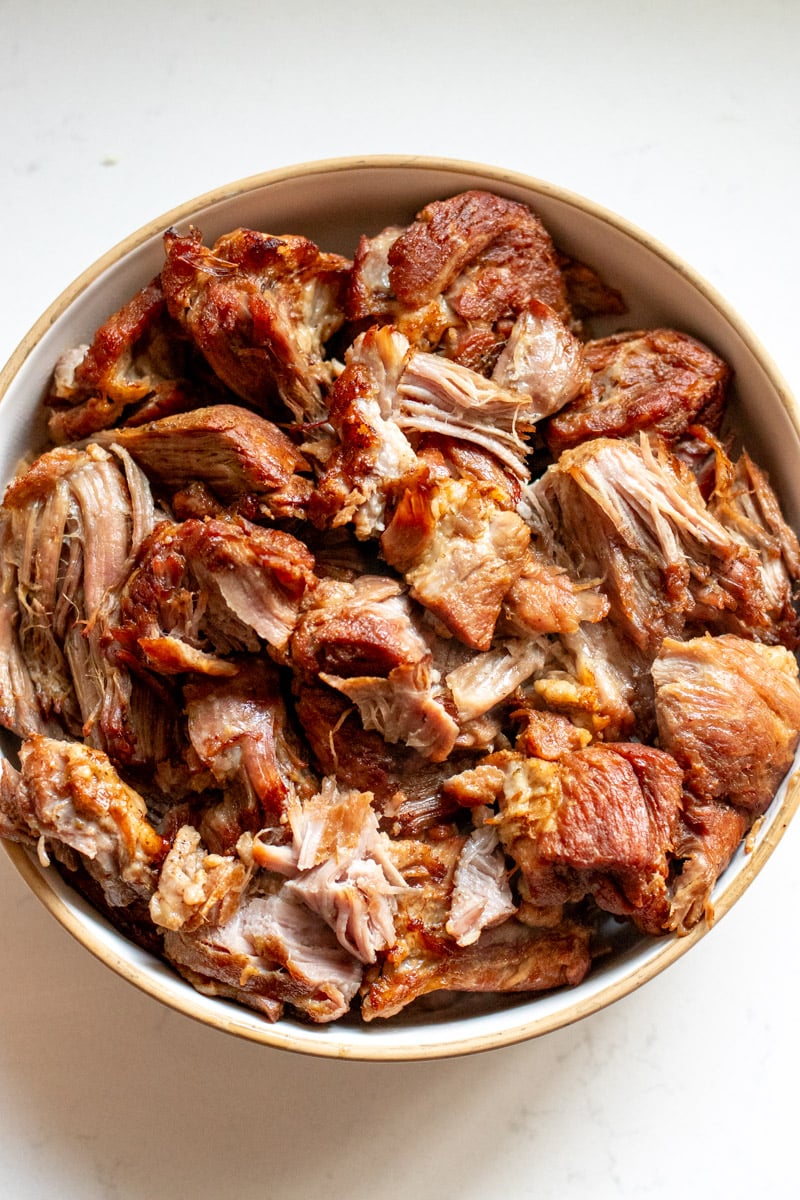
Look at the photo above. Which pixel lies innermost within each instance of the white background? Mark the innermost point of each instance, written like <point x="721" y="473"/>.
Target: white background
<point x="684" y="118"/>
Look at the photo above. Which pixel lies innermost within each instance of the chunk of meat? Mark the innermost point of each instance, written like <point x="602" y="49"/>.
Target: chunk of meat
<point x="746" y="505"/>
<point x="657" y="380"/>
<point x="457" y="278"/>
<point x="165" y="623"/>
<point x="226" y="583"/>
<point x="367" y="627"/>
<point x="543" y="360"/>
<point x="544" y="598"/>
<point x="75" y="521"/>
<point x="587" y="292"/>
<point x="486" y="679"/>
<point x="510" y="957"/>
<point x="26" y="700"/>
<point x="634" y="517"/>
<point x="600" y="820"/>
<point x="435" y="395"/>
<point x="405" y="785"/>
<point x="547" y="735"/>
<point x="233" y="451"/>
<point x="271" y="953"/>
<point x="729" y="711"/>
<point x="260" y="308"/>
<point x="369" y="292"/>
<point x="339" y="864"/>
<point x="389" y="402"/>
<point x="488" y="255"/>
<point x="194" y="887"/>
<point x="284" y="929"/>
<point x="600" y="680"/>
<point x="140" y="365"/>
<point x="407" y="707"/>
<point x="475" y="787"/>
<point x="365" y="640"/>
<point x="239" y="729"/>
<point x="373" y="456"/>
<point x="70" y="798"/>
<point x="460" y="553"/>
<point x="371" y="296"/>
<point x="345" y="871"/>
<point x="481" y="895"/>
<point x="709" y="835"/>
<point x="450" y="456"/>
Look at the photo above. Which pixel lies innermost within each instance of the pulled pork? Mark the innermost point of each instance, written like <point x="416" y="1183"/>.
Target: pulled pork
<point x="372" y="630"/>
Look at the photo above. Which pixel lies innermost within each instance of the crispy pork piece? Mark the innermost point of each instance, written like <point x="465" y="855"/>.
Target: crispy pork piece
<point x="489" y="256"/>
<point x="74" y="523"/>
<point x="510" y="957"/>
<point x="544" y="598"/>
<point x="545" y="734"/>
<point x="450" y="456"/>
<point x="728" y="709"/>
<point x="194" y="887"/>
<point x="460" y="552"/>
<point x="370" y="296"/>
<point x="273" y="952"/>
<point x="139" y="366"/>
<point x="630" y="514"/>
<point x="599" y="821"/>
<point x="240" y="731"/>
<point x="746" y="505"/>
<point x="475" y="787"/>
<point x="260" y="308"/>
<point x="405" y="707"/>
<point x="364" y="627"/>
<point x="365" y="640"/>
<point x="204" y="589"/>
<point x="369" y="292"/>
<point x="69" y="798"/>
<point x="515" y="264"/>
<point x="657" y="380"/>
<point x="236" y="453"/>
<point x="388" y="385"/>
<point x="457" y="278"/>
<point x="405" y="785"/>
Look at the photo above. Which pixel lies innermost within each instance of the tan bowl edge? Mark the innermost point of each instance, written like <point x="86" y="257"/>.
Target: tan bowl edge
<point x="672" y="948"/>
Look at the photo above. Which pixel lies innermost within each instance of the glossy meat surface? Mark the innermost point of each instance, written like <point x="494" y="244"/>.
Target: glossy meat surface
<point x="372" y="630"/>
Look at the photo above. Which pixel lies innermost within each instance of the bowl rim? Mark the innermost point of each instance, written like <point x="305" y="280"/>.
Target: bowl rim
<point x="671" y="947"/>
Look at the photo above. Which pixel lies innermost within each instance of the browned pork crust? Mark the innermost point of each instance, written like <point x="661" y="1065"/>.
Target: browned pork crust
<point x="376" y="632"/>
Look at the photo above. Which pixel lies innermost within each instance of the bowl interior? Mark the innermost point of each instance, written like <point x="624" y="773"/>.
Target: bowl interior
<point x="333" y="203"/>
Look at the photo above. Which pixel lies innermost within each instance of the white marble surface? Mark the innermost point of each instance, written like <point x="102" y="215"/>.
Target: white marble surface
<point x="683" y="117"/>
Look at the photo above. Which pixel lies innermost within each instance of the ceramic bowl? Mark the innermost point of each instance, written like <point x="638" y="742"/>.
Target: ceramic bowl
<point x="333" y="202"/>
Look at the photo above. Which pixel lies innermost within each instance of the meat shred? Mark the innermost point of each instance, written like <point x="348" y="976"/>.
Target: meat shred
<point x="371" y="629"/>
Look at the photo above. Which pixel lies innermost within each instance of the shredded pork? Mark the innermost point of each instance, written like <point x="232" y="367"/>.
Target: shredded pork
<point x="372" y="629"/>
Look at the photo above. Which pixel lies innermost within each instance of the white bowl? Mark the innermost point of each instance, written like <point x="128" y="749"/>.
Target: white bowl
<point x="333" y="202"/>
